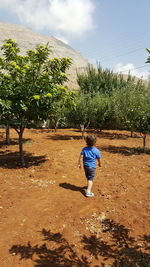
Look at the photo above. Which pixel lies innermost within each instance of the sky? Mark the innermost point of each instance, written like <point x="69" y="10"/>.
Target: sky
<point x="112" y="33"/>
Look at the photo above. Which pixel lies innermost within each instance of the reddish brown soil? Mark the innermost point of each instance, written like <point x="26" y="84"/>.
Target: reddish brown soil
<point x="45" y="219"/>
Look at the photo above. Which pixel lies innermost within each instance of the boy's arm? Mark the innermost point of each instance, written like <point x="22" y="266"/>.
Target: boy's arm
<point x="80" y="161"/>
<point x="99" y="162"/>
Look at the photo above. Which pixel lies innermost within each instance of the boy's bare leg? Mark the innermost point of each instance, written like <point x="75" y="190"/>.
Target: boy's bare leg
<point x="89" y="186"/>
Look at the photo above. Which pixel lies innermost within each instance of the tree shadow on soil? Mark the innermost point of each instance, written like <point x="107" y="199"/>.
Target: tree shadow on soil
<point x="73" y="187"/>
<point x="64" y="137"/>
<point x="56" y="251"/>
<point x="11" y="160"/>
<point x="124" y="150"/>
<point x="112" y="136"/>
<point x="104" y="135"/>
<point x="123" y="249"/>
<point x="14" y="142"/>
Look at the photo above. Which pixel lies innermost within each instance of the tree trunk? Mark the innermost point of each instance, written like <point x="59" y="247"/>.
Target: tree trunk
<point x="144" y="141"/>
<point x="88" y="124"/>
<point x="21" y="146"/>
<point x="131" y="132"/>
<point x="7" y="135"/>
<point x="56" y="125"/>
<point x="82" y="130"/>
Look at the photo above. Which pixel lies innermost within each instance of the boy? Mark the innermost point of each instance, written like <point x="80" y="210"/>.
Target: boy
<point x="90" y="154"/>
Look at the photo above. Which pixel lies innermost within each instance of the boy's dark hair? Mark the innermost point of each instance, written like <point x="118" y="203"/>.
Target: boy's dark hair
<point x="90" y="139"/>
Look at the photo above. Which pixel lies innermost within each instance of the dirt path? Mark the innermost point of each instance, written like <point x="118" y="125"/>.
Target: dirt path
<point x="46" y="221"/>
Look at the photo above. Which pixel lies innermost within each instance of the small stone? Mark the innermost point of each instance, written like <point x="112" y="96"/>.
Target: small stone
<point x="13" y="254"/>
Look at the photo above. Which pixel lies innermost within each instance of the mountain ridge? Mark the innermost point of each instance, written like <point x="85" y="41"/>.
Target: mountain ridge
<point x="28" y="39"/>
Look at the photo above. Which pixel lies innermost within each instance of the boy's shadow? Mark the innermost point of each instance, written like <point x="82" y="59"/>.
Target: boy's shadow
<point x="73" y="187"/>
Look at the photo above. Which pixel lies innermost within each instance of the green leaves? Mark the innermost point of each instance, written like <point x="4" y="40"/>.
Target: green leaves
<point x="36" y="97"/>
<point x="148" y="60"/>
<point x="10" y="50"/>
<point x="97" y="80"/>
<point x="132" y="108"/>
<point x="30" y="83"/>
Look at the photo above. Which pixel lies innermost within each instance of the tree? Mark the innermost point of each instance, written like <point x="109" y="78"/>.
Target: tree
<point x="148" y="60"/>
<point x="82" y="112"/>
<point x="143" y="121"/>
<point x="98" y="80"/>
<point x="29" y="86"/>
<point x="132" y="110"/>
<point x="60" y="109"/>
<point x="104" y="112"/>
<point x="2" y="111"/>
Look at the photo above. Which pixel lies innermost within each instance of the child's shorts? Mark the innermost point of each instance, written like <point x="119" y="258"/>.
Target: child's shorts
<point x="89" y="173"/>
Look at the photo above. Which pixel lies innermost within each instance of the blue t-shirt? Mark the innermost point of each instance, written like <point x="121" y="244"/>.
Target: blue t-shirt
<point x="90" y="154"/>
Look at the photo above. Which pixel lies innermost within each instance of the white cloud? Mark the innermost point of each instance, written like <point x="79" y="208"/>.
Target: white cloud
<point x="130" y="68"/>
<point x="71" y="18"/>
<point x="6" y="3"/>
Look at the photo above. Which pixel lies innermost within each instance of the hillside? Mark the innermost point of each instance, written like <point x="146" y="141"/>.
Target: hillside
<point x="27" y="39"/>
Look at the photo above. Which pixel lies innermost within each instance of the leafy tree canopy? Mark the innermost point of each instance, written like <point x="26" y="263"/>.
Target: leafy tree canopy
<point x="29" y="85"/>
<point x="148" y="60"/>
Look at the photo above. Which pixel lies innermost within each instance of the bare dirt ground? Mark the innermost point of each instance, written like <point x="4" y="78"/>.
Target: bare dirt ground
<point x="45" y="218"/>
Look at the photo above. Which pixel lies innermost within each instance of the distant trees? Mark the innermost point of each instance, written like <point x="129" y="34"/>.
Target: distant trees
<point x="110" y="101"/>
<point x="29" y="86"/>
<point x="82" y="113"/>
<point x="132" y="109"/>
<point x="148" y="60"/>
<point x="97" y="80"/>
<point x="60" y="108"/>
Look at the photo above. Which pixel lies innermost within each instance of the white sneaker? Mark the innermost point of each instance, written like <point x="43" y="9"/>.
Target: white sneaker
<point x="89" y="194"/>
